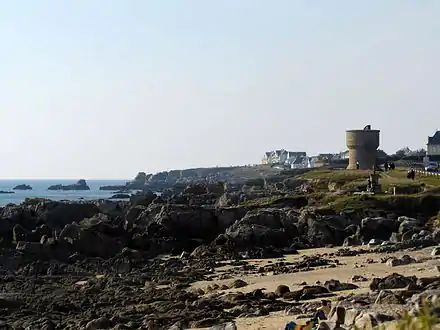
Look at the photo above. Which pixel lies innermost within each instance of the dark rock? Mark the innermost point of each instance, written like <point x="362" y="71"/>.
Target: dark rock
<point x="113" y="188"/>
<point x="22" y="187"/>
<point x="407" y="224"/>
<point x="59" y="214"/>
<point x="238" y="284"/>
<point x="336" y="285"/>
<point x="80" y="185"/>
<point x="401" y="261"/>
<point x="424" y="282"/>
<point x="377" y="228"/>
<point x="358" y="278"/>
<point x="281" y="290"/>
<point x="388" y="297"/>
<point x="267" y="227"/>
<point x="393" y="281"/>
<point x="120" y="196"/>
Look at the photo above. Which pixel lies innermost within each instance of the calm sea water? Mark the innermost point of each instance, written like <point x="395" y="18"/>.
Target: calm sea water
<point x="40" y="190"/>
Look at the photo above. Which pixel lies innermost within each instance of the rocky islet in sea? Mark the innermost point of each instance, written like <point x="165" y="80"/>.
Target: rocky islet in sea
<point x="23" y="187"/>
<point x="91" y="265"/>
<point x="80" y="185"/>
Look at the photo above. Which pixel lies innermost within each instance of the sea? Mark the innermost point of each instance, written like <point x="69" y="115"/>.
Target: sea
<point x="40" y="190"/>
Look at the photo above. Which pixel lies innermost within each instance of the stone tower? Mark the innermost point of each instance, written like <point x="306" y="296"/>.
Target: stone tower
<point x="362" y="147"/>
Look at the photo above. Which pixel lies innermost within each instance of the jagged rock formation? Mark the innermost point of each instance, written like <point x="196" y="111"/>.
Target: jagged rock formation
<point x="138" y="183"/>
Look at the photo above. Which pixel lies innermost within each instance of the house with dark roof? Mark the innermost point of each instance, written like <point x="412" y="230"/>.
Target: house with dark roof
<point x="433" y="145"/>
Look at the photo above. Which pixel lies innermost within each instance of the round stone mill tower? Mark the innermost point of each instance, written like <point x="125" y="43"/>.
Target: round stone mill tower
<point x="362" y="146"/>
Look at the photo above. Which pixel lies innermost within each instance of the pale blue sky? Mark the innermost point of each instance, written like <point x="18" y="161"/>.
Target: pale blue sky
<point x="106" y="88"/>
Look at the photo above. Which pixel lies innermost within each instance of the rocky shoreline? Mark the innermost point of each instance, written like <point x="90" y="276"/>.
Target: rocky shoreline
<point x="175" y="178"/>
<point x="99" y="265"/>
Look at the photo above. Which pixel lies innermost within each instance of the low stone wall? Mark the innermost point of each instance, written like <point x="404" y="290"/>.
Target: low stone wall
<point x="437" y="174"/>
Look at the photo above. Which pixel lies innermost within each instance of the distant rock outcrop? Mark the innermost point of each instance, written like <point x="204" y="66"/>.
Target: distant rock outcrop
<point x="6" y="192"/>
<point x="80" y="185"/>
<point x="113" y="188"/>
<point x="120" y="196"/>
<point x="138" y="183"/>
<point x="22" y="187"/>
<point x="181" y="178"/>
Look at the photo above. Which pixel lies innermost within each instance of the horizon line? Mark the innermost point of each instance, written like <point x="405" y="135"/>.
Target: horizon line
<point x="56" y="178"/>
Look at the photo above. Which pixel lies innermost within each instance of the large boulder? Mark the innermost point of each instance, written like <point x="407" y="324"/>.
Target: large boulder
<point x="323" y="230"/>
<point x="263" y="227"/>
<point x="185" y="222"/>
<point x="181" y="222"/>
<point x="392" y="281"/>
<point x="256" y="235"/>
<point x="407" y="224"/>
<point x="90" y="241"/>
<point x="379" y="228"/>
<point x="59" y="214"/>
<point x="12" y="215"/>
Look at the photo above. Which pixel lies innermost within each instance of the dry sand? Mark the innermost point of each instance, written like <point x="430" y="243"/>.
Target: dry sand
<point x="356" y="265"/>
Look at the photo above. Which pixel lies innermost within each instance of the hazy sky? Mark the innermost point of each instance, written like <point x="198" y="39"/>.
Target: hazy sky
<point x="106" y="88"/>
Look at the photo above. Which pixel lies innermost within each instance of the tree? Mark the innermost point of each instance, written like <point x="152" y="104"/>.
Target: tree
<point x="381" y="154"/>
<point x="403" y="152"/>
<point x="420" y="152"/>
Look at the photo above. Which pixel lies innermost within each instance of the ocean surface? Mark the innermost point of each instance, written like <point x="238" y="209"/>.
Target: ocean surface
<point x="40" y="190"/>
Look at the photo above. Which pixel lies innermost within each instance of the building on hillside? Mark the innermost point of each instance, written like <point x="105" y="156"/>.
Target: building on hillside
<point x="266" y="158"/>
<point x="326" y="157"/>
<point x="299" y="162"/>
<point x="342" y="155"/>
<point x="315" y="161"/>
<point x="283" y="157"/>
<point x="433" y="145"/>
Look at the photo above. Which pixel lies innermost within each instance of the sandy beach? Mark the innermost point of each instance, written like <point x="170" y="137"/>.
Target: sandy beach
<point x="350" y="266"/>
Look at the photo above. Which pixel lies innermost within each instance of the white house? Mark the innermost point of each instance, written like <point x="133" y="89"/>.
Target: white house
<point x="283" y="157"/>
<point x="433" y="145"/>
